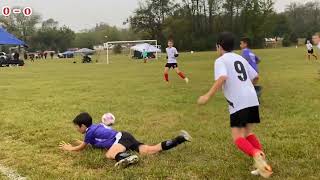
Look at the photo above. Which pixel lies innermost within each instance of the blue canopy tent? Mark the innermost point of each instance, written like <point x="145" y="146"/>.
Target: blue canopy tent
<point x="9" y="39"/>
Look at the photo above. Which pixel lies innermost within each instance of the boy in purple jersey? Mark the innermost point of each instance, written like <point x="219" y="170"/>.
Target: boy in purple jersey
<point x="252" y="59"/>
<point x="117" y="143"/>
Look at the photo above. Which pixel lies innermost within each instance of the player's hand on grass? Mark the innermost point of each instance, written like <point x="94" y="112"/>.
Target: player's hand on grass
<point x="203" y="100"/>
<point x="77" y="142"/>
<point x="65" y="146"/>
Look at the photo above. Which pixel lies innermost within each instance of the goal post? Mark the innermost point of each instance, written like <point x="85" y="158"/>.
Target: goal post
<point x="107" y="45"/>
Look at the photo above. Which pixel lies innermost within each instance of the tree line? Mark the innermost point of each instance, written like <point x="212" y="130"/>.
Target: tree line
<point x="193" y="24"/>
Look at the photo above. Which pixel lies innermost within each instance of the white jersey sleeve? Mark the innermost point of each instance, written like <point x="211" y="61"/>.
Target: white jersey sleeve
<point x="176" y="51"/>
<point x="251" y="72"/>
<point x="219" y="70"/>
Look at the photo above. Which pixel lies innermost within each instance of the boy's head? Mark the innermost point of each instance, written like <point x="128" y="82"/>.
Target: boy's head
<point x="82" y="122"/>
<point x="316" y="38"/>
<point x="244" y="43"/>
<point x="225" y="43"/>
<point x="170" y="43"/>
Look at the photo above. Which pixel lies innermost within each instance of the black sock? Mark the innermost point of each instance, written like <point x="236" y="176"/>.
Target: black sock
<point x="122" y="155"/>
<point x="166" y="145"/>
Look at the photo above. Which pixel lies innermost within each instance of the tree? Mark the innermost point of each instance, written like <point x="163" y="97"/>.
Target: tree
<point x="50" y="23"/>
<point x="149" y="18"/>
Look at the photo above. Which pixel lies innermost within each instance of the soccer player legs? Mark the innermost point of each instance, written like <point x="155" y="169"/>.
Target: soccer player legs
<point x="310" y="51"/>
<point x="172" y="55"/>
<point x="119" y="151"/>
<point x="235" y="75"/>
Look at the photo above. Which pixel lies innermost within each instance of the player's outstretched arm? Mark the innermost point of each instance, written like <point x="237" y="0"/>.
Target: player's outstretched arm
<point x="214" y="89"/>
<point x="68" y="147"/>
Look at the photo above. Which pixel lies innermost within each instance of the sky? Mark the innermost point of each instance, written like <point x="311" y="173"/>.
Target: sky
<point x="84" y="14"/>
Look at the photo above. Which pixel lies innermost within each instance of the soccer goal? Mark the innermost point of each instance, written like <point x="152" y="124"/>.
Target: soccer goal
<point x="111" y="44"/>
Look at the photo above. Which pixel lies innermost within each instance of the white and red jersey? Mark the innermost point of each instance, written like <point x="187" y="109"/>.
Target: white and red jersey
<point x="171" y="52"/>
<point x="238" y="88"/>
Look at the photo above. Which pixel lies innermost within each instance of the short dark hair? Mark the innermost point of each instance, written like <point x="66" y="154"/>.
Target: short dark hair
<point x="246" y="40"/>
<point x="171" y="40"/>
<point x="226" y="41"/>
<point x="83" y="119"/>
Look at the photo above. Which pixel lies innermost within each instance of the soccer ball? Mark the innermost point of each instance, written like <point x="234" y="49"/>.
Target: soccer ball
<point x="108" y="119"/>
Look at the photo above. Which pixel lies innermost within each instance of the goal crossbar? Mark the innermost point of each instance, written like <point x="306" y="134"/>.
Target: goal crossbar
<point x="106" y="45"/>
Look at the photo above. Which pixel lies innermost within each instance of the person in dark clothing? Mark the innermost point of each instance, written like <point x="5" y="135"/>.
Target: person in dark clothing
<point x="16" y="56"/>
<point x="51" y="54"/>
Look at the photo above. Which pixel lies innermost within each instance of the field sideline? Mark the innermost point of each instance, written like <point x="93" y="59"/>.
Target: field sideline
<point x="39" y="101"/>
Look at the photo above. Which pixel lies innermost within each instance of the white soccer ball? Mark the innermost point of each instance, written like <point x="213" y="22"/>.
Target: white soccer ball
<point x="108" y="119"/>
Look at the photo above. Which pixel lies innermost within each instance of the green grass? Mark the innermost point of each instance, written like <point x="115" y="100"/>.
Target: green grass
<point x="39" y="101"/>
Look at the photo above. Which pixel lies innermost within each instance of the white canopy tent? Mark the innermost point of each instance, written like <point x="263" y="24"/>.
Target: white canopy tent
<point x="146" y="47"/>
<point x="85" y="51"/>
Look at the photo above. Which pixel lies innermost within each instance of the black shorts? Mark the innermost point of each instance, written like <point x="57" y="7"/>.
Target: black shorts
<point x="171" y="65"/>
<point x="246" y="116"/>
<point x="128" y="141"/>
<point x="310" y="51"/>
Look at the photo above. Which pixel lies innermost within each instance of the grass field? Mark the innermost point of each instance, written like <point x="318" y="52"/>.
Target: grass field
<point x="39" y="101"/>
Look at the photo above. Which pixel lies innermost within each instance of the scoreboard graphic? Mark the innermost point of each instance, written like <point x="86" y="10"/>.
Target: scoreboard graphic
<point x="7" y="11"/>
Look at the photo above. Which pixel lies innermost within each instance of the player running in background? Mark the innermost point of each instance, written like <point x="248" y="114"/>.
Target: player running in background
<point x="172" y="55"/>
<point x="234" y="75"/>
<point x="310" y="50"/>
<point x="252" y="59"/>
<point x="118" y="144"/>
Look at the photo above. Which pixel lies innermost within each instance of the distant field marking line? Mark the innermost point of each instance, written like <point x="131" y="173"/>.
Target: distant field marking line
<point x="11" y="174"/>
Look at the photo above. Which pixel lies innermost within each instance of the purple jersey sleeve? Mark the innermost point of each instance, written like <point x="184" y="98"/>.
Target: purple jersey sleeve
<point x="246" y="54"/>
<point x="89" y="138"/>
<point x="252" y="59"/>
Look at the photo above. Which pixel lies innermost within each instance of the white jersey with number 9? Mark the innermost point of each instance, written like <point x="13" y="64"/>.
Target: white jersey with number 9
<point x="238" y="88"/>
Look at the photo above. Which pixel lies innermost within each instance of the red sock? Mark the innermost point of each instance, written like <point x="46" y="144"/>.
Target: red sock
<point x="182" y="75"/>
<point x="254" y="141"/>
<point x="166" y="77"/>
<point x="246" y="147"/>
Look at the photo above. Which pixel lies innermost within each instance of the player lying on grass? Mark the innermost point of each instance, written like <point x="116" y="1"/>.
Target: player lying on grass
<point x="172" y="55"/>
<point x="252" y="59"/>
<point x="234" y="75"/>
<point x="118" y="144"/>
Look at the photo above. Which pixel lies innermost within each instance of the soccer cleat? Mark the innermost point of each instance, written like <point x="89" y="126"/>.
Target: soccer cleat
<point x="124" y="163"/>
<point x="185" y="135"/>
<point x="255" y="172"/>
<point x="186" y="80"/>
<point x="264" y="169"/>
